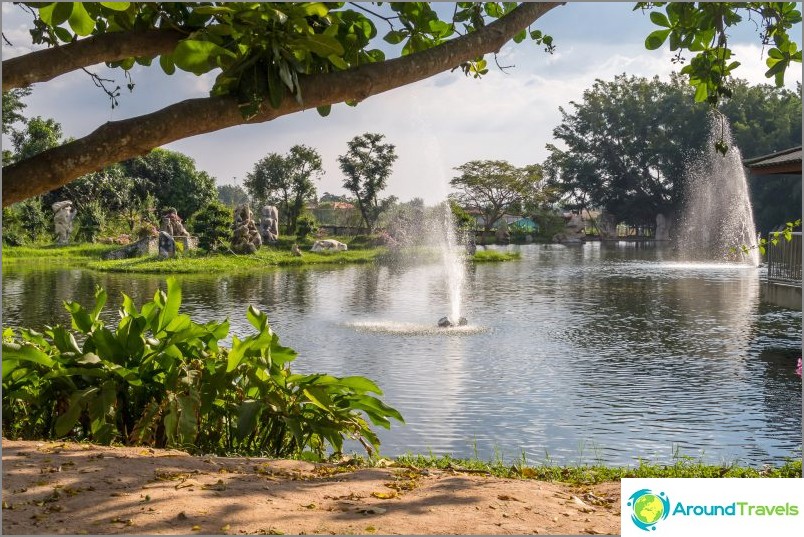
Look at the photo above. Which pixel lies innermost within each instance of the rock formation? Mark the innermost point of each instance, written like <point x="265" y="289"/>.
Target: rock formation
<point x="63" y="216"/>
<point x="269" y="224"/>
<point x="171" y="224"/>
<point x="246" y="238"/>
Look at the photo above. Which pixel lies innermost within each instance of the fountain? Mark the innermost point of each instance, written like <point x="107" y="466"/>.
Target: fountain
<point x="717" y="218"/>
<point x="452" y="259"/>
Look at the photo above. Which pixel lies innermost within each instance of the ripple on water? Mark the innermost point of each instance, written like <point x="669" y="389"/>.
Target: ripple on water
<point x="415" y="329"/>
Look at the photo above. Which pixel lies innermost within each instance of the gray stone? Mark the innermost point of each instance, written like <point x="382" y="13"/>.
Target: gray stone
<point x="63" y="216"/>
<point x="246" y="238"/>
<point x="269" y="224"/>
<point x="167" y="246"/>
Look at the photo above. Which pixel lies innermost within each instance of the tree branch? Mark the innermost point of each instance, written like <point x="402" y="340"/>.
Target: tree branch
<point x="47" y="64"/>
<point x="120" y="140"/>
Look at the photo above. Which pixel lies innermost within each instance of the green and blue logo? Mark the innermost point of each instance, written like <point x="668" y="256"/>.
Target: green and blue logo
<point x="648" y="508"/>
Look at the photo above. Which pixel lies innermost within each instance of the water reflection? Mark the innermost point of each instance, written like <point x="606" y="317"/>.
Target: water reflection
<point x="596" y="352"/>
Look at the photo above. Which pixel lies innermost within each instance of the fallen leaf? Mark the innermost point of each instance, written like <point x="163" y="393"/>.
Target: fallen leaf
<point x="309" y="506"/>
<point x="219" y="485"/>
<point x="506" y="498"/>
<point x="196" y="528"/>
<point x="225" y="528"/>
<point x="384" y="495"/>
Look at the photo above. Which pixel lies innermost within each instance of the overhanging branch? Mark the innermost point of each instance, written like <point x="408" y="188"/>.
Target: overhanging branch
<point x="47" y="64"/>
<point x="120" y="140"/>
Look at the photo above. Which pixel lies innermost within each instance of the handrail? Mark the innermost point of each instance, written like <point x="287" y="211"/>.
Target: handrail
<point x="784" y="260"/>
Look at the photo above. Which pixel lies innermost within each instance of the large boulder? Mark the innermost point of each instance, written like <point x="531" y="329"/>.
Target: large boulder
<point x="63" y="216"/>
<point x="246" y="238"/>
<point x="329" y="245"/>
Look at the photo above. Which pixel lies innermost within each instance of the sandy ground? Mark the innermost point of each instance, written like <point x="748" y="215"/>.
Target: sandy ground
<point x="66" y="488"/>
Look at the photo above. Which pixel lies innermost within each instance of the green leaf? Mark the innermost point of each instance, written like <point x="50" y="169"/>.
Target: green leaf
<point x="247" y="417"/>
<point x="172" y="303"/>
<point x="318" y="9"/>
<point x="80" y="21"/>
<point x="656" y="39"/>
<point x="360" y="383"/>
<point x="198" y="57"/>
<point x="66" y="421"/>
<point x="26" y="353"/>
<point x="701" y="92"/>
<point x="63" y="34"/>
<point x="116" y="6"/>
<point x="80" y="318"/>
<point x="395" y="37"/>
<point x="166" y="63"/>
<point x="56" y="13"/>
<point x="324" y="45"/>
<point x="256" y="318"/>
<point x="659" y="19"/>
<point x="324" y="110"/>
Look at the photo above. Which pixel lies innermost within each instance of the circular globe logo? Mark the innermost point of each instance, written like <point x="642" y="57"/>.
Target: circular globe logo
<point x="648" y="508"/>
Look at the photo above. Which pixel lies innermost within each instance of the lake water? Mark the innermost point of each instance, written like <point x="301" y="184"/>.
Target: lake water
<point x="596" y="353"/>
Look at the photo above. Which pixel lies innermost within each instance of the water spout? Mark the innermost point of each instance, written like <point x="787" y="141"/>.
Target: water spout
<point x="717" y="219"/>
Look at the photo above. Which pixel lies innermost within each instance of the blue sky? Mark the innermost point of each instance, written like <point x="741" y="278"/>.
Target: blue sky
<point x="436" y="124"/>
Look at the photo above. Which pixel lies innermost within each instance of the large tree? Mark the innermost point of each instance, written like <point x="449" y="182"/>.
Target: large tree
<point x="492" y="188"/>
<point x="278" y="58"/>
<point x="286" y="180"/>
<point x="627" y="144"/>
<point x="366" y="166"/>
<point x="173" y="180"/>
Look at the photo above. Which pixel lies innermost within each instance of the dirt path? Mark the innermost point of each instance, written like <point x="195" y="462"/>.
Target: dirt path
<point x="58" y="488"/>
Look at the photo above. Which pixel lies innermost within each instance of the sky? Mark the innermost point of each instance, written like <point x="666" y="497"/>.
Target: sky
<point x="436" y="124"/>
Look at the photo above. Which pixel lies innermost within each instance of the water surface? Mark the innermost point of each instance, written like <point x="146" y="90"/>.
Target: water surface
<point x="594" y="353"/>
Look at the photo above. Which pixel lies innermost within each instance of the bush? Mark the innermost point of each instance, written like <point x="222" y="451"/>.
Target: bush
<point x="306" y="225"/>
<point x="213" y="225"/>
<point x="90" y="218"/>
<point x="161" y="379"/>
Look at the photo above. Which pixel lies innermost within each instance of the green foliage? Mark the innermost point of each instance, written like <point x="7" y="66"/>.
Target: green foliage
<point x="212" y="225"/>
<point x="628" y="143"/>
<point x="263" y="50"/>
<point x="306" y="226"/>
<point x="173" y="180"/>
<point x="287" y="181"/>
<point x="367" y="165"/>
<point x="38" y="135"/>
<point x="13" y="106"/>
<point x="703" y="29"/>
<point x="161" y="379"/>
<point x="90" y="220"/>
<point x="550" y="222"/>
<point x="26" y="223"/>
<point x="462" y="218"/>
<point x="494" y="187"/>
<point x="232" y="195"/>
<point x="494" y="256"/>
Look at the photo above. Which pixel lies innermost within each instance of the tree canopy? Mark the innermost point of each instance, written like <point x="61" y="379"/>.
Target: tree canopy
<point x="286" y="180"/>
<point x="628" y="143"/>
<point x="275" y="59"/>
<point x="492" y="188"/>
<point x="366" y="166"/>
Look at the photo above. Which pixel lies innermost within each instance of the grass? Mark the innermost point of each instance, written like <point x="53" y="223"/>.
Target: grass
<point x="72" y="254"/>
<point x="490" y="256"/>
<point x="587" y="474"/>
<point x="198" y="263"/>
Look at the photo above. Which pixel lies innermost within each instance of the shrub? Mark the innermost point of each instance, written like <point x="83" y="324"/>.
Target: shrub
<point x="306" y="225"/>
<point x="161" y="379"/>
<point x="212" y="225"/>
<point x="90" y="218"/>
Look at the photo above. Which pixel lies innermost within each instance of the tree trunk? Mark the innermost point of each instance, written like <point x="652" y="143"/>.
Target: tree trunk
<point x="120" y="140"/>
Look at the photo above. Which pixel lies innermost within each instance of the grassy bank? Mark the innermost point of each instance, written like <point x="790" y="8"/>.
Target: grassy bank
<point x="197" y="262"/>
<point x="584" y="474"/>
<point x="493" y="256"/>
<point x="74" y="254"/>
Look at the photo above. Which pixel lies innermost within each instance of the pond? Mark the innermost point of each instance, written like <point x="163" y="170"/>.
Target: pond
<point x="601" y="353"/>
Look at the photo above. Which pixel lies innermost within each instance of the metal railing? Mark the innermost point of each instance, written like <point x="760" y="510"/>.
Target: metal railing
<point x="784" y="260"/>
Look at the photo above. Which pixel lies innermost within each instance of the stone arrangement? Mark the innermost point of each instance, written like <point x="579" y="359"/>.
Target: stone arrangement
<point x="167" y="246"/>
<point x="171" y="224"/>
<point x="246" y="238"/>
<point x="63" y="216"/>
<point x="269" y="224"/>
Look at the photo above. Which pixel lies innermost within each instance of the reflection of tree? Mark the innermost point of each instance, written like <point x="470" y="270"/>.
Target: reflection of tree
<point x="367" y="294"/>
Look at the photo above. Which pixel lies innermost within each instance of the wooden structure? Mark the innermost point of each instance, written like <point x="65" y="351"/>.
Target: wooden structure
<point x="783" y="285"/>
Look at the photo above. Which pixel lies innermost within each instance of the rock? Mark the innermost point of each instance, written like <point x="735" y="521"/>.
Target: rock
<point x="269" y="224"/>
<point x="167" y="246"/>
<point x="171" y="224"/>
<point x="444" y="322"/>
<point x="246" y="238"/>
<point x="63" y="216"/>
<point x="295" y="250"/>
<point x="327" y="245"/>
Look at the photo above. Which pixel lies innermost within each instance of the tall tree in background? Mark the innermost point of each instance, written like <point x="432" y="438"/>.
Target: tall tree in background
<point x="279" y="58"/>
<point x="232" y="195"/>
<point x="286" y="180"/>
<point x="629" y="141"/>
<point x="367" y="165"/>
<point x="493" y="188"/>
